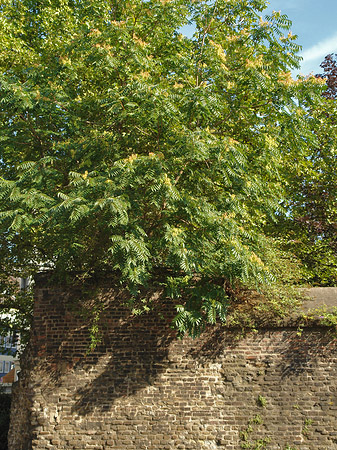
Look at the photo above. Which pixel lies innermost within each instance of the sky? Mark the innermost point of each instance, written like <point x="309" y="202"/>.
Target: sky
<point x="315" y="23"/>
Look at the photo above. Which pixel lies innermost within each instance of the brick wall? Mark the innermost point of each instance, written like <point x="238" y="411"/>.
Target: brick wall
<point x="143" y="389"/>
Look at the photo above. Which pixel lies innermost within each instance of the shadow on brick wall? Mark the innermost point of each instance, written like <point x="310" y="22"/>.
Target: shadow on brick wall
<point x="121" y="367"/>
<point x="132" y="352"/>
<point x="301" y="350"/>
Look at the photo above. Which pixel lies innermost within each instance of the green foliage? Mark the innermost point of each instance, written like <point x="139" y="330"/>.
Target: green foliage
<point x="329" y="319"/>
<point x="250" y="309"/>
<point x="204" y="302"/>
<point x="310" y="229"/>
<point x="262" y="401"/>
<point x="246" y="439"/>
<point x="127" y="146"/>
<point x="306" y="427"/>
<point x="323" y="316"/>
<point x="16" y="305"/>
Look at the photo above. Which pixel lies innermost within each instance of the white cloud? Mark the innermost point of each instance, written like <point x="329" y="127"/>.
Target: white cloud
<point x="320" y="50"/>
<point x="313" y="56"/>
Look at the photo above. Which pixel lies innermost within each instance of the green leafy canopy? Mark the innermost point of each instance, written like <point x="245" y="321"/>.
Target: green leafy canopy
<point x="310" y="228"/>
<point x="127" y="146"/>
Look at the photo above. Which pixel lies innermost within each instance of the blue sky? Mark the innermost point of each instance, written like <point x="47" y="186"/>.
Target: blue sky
<point x="315" y="23"/>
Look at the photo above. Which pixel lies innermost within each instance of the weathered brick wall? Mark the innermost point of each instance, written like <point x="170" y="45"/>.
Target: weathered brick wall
<point x="144" y="389"/>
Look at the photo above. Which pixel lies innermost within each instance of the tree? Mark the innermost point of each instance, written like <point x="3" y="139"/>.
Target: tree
<point x="330" y="75"/>
<point x="127" y="146"/>
<point x="310" y="229"/>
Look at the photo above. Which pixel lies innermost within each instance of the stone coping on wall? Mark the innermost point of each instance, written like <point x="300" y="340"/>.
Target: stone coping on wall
<point x="320" y="297"/>
<point x="316" y="302"/>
